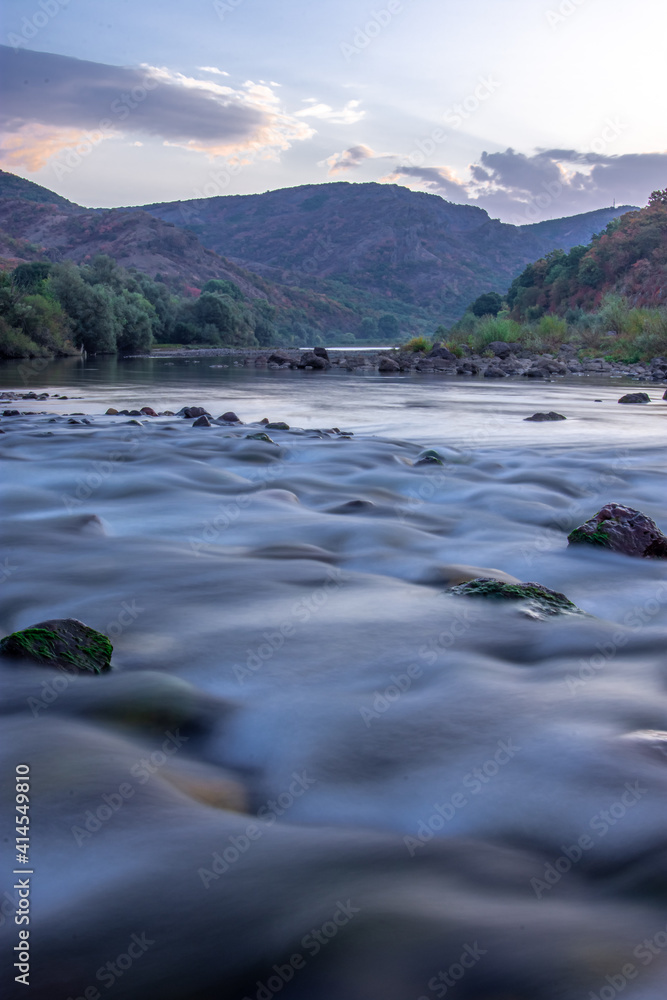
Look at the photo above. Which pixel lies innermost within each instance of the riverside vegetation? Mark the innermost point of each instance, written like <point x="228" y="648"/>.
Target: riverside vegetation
<point x="602" y="300"/>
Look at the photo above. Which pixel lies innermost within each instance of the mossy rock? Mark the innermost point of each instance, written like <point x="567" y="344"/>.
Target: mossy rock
<point x="430" y="457"/>
<point x="259" y="437"/>
<point x="537" y="601"/>
<point x="63" y="643"/>
<point x="622" y="529"/>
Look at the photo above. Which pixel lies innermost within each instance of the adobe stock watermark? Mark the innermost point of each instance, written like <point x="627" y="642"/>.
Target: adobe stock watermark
<point x="33" y="24"/>
<point x="564" y="10"/>
<point x="112" y="802"/>
<point x="401" y="683"/>
<point x="302" y="612"/>
<point x="364" y="34"/>
<point x="71" y="157"/>
<point x="446" y="979"/>
<point x="635" y="620"/>
<point x="239" y="844"/>
<point x="112" y="971"/>
<point x="475" y="782"/>
<point x="460" y="113"/>
<point x="600" y="824"/>
<point x="454" y="117"/>
<point x="224" y="7"/>
<point x="7" y="569"/>
<point x="645" y="953"/>
<point x="312" y="944"/>
<point x="230" y="510"/>
<point x="101" y="471"/>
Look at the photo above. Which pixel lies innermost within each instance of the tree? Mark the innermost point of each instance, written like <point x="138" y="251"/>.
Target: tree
<point x="368" y="329"/>
<point x="388" y="327"/>
<point x="658" y="198"/>
<point x="488" y="304"/>
<point x="93" y="319"/>
<point x="222" y="287"/>
<point x="29" y="277"/>
<point x="137" y="321"/>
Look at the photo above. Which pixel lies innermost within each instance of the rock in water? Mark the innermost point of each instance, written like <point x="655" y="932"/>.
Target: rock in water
<point x="388" y="365"/>
<point x="635" y="397"/>
<point x="430" y="457"/>
<point x="64" y="643"/>
<point x="202" y="421"/>
<point x="622" y="529"/>
<point x="551" y="415"/>
<point x="229" y="417"/>
<point x="537" y="601"/>
<point x="259" y="437"/>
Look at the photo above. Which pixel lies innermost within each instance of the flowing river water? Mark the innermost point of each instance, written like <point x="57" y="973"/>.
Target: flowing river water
<point x="314" y="772"/>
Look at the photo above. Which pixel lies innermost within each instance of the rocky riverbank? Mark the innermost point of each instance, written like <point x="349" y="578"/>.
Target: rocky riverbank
<point x="501" y="360"/>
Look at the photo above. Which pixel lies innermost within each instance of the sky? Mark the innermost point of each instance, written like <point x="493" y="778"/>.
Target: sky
<point x="530" y="109"/>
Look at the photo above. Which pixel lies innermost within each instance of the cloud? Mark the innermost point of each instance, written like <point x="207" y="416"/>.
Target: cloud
<point x="349" y="159"/>
<point x="212" y="69"/>
<point x="438" y="180"/>
<point x="42" y="91"/>
<point x="549" y="183"/>
<point x="352" y="158"/>
<point x="346" y="116"/>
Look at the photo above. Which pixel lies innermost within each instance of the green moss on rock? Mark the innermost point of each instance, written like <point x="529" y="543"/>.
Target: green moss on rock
<point x="64" y="643"/>
<point x="538" y="601"/>
<point x="597" y="537"/>
<point x="259" y="437"/>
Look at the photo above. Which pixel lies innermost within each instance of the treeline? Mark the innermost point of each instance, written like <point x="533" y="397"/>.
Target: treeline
<point x="608" y="298"/>
<point x="51" y="309"/>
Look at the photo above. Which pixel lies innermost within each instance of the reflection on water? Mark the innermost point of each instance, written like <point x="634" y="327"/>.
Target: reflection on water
<point x="460" y="409"/>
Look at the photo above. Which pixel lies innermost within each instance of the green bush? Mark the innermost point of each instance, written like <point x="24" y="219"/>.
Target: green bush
<point x="417" y="344"/>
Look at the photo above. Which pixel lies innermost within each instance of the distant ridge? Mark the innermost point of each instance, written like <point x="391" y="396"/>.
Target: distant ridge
<point x="334" y="252"/>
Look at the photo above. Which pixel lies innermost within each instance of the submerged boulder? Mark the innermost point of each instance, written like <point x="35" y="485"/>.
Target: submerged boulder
<point x="551" y="415"/>
<point x="64" y="643"/>
<point x="536" y="601"/>
<point x="430" y="457"/>
<point x="622" y="529"/>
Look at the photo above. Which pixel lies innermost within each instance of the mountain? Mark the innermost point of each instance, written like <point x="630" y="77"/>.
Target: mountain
<point x="378" y="245"/>
<point x="629" y="258"/>
<point x="327" y="254"/>
<point x="34" y="228"/>
<point x="12" y="186"/>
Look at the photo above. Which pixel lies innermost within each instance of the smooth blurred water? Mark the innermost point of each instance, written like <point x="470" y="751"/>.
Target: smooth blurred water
<point x="414" y="406"/>
<point x="429" y="762"/>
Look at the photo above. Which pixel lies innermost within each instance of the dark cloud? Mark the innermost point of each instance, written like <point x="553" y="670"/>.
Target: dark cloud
<point x="46" y="89"/>
<point x="548" y="184"/>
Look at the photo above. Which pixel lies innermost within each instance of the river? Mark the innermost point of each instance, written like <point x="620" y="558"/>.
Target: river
<point x="315" y="772"/>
